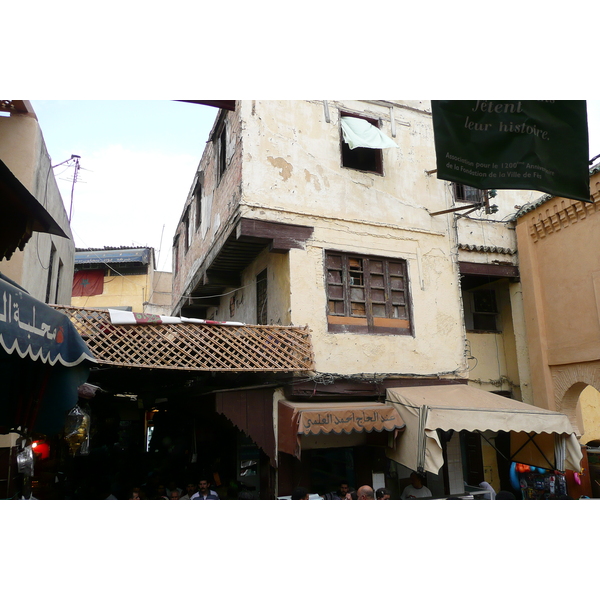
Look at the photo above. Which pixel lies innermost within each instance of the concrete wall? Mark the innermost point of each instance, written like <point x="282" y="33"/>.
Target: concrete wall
<point x="23" y="150"/>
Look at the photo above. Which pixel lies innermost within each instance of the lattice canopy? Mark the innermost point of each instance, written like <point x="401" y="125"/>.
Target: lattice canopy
<point x="193" y="347"/>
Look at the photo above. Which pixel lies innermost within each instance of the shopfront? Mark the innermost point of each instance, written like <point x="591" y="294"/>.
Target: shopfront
<point x="440" y="419"/>
<point x="321" y="444"/>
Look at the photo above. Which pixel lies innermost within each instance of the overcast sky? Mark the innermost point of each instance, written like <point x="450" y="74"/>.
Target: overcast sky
<point x="138" y="161"/>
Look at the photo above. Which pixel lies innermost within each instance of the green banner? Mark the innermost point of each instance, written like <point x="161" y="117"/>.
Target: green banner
<point x="514" y="144"/>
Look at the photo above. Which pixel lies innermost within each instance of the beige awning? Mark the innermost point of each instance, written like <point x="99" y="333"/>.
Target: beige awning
<point x="314" y="418"/>
<point x="426" y="409"/>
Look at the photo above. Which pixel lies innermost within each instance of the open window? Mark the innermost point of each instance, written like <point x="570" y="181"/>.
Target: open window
<point x="198" y="202"/>
<point x="187" y="229"/>
<point x="367" y="294"/>
<point x="222" y="151"/>
<point x="466" y="193"/>
<point x="362" y="142"/>
<point x="261" y="298"/>
<point x="176" y="254"/>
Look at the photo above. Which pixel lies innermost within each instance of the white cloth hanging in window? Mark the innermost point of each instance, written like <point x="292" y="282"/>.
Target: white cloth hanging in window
<point x="359" y="133"/>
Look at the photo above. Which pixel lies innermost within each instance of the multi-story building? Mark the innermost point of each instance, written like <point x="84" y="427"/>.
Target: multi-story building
<point x="290" y="221"/>
<point x="122" y="278"/>
<point x="44" y="267"/>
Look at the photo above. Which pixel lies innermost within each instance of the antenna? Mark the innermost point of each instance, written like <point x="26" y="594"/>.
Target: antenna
<point x="76" y="158"/>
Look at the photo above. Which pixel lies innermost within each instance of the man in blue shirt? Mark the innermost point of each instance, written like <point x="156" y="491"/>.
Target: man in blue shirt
<point x="204" y="492"/>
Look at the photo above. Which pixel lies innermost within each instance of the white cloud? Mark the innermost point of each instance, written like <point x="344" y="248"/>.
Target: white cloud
<point x="125" y="197"/>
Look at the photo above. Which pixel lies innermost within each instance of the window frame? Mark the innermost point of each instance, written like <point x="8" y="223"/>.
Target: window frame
<point x="345" y="149"/>
<point x="474" y="311"/>
<point x="221" y="140"/>
<point x="262" y="294"/>
<point x="176" y="257"/>
<point x="198" y="203"/>
<point x="343" y="286"/>
<point x="459" y="193"/>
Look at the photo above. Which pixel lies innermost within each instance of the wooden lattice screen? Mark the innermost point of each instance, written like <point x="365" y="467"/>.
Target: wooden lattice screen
<point x="193" y="347"/>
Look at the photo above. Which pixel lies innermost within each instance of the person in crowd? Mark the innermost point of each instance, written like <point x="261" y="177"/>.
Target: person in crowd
<point x="204" y="492"/>
<point x="365" y="492"/>
<point x="339" y="494"/>
<point x="300" y="493"/>
<point x="351" y="494"/>
<point x="173" y="486"/>
<point x="492" y="495"/>
<point x="383" y="494"/>
<point x="416" y="489"/>
<point x="161" y="492"/>
<point x="245" y="496"/>
<point x="174" y="494"/>
<point x="191" y="489"/>
<point x="136" y="494"/>
<point x="504" y="495"/>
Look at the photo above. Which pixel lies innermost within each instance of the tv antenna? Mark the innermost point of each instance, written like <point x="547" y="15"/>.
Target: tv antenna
<point x="75" y="158"/>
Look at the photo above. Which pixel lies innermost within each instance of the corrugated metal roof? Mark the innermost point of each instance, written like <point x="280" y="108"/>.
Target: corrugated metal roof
<point x="117" y="255"/>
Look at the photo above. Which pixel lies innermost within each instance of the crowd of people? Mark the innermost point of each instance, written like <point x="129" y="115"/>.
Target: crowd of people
<point x="193" y="491"/>
<point x="202" y="491"/>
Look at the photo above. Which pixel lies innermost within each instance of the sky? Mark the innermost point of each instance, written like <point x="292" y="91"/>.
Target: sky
<point x="138" y="160"/>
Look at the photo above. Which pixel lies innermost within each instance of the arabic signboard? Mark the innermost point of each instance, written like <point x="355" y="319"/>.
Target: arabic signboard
<point x="348" y="419"/>
<point x="514" y="144"/>
<point x="32" y="329"/>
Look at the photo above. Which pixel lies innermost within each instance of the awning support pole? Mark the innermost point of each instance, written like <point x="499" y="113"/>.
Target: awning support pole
<point x="552" y="465"/>
<point x="494" y="446"/>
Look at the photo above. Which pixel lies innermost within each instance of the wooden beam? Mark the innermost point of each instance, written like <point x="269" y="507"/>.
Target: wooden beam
<point x="471" y="268"/>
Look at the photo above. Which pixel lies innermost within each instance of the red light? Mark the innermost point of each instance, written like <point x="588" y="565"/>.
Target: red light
<point x="41" y="448"/>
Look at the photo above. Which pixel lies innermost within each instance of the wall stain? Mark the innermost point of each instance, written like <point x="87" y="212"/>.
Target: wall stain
<point x="280" y="163"/>
<point x="310" y="177"/>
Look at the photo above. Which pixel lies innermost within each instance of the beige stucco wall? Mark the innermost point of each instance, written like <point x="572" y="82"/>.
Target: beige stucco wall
<point x="240" y="304"/>
<point x="292" y="173"/>
<point x="24" y="152"/>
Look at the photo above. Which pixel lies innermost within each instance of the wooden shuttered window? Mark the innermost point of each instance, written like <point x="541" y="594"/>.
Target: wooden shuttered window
<point x="367" y="294"/>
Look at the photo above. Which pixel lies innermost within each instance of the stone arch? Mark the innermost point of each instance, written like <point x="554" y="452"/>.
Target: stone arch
<point x="569" y="382"/>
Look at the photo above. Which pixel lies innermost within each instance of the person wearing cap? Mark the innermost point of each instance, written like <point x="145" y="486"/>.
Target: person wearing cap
<point x="383" y="494"/>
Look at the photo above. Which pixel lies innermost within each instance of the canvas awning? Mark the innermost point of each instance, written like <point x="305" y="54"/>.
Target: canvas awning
<point x="22" y="215"/>
<point x="315" y="418"/>
<point x="461" y="407"/>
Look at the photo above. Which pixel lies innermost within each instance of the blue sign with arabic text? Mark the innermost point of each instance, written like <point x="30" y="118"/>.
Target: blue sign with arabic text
<point x="34" y="330"/>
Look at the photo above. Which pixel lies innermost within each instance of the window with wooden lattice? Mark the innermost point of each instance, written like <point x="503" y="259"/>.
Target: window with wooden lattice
<point x="367" y="294"/>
